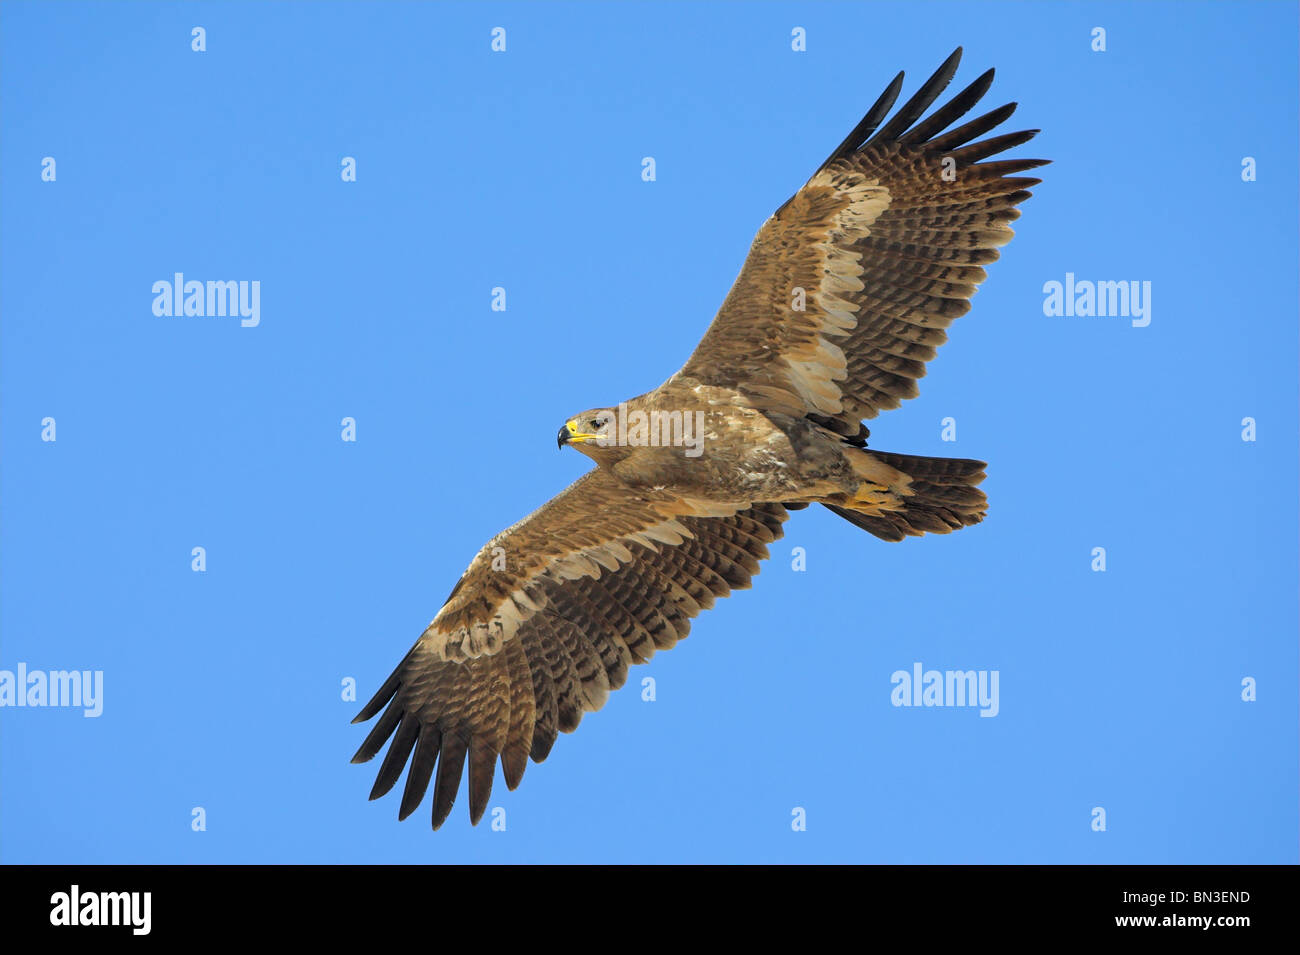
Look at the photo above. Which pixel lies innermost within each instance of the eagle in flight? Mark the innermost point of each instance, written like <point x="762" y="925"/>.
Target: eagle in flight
<point x="844" y="297"/>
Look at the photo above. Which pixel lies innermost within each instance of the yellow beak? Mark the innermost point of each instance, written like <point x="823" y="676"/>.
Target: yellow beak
<point x="575" y="436"/>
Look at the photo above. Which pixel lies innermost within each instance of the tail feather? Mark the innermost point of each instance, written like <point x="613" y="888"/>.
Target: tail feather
<point x="941" y="496"/>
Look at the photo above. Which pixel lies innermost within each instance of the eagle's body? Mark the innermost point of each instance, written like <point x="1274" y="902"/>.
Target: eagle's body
<point x="769" y="457"/>
<point x="843" y="298"/>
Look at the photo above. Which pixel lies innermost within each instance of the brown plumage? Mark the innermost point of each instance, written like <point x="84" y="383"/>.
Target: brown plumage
<point x="841" y="302"/>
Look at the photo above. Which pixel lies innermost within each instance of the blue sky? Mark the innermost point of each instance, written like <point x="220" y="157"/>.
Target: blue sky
<point x="1120" y="690"/>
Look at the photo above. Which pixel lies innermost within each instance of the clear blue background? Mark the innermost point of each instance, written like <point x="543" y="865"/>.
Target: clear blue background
<point x="325" y="559"/>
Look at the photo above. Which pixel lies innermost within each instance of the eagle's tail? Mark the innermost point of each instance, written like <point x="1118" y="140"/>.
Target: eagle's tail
<point x="905" y="495"/>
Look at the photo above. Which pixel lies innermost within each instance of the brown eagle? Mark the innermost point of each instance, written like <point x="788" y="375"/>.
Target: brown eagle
<point x="843" y="299"/>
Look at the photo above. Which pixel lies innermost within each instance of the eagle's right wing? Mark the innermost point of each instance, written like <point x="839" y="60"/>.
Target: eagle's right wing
<point x="544" y="624"/>
<point x="849" y="285"/>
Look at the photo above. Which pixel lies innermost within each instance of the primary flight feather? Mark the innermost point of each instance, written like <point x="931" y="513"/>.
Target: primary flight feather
<point x="841" y="302"/>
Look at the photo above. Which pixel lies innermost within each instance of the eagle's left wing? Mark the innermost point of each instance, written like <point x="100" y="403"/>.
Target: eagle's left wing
<point x="849" y="285"/>
<point x="544" y="623"/>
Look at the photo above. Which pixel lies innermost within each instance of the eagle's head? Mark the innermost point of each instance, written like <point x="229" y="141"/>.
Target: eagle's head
<point x="591" y="432"/>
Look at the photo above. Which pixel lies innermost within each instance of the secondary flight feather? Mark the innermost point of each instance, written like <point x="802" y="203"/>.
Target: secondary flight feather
<point x="844" y="297"/>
